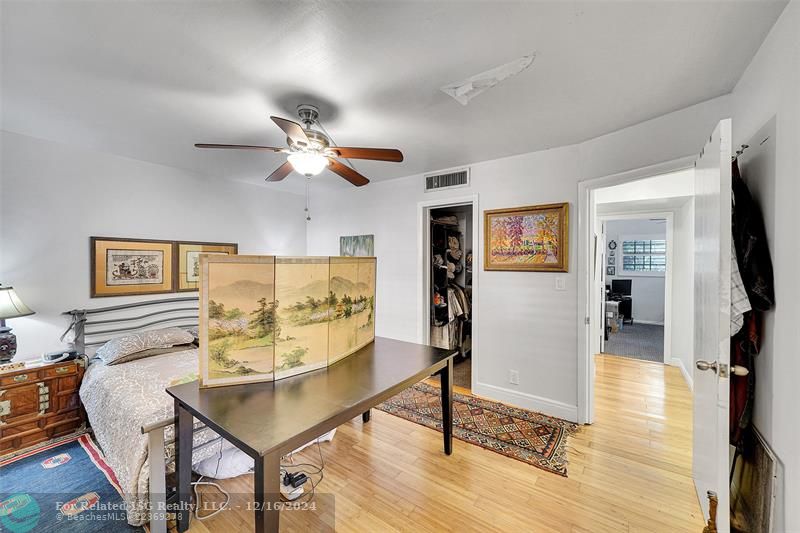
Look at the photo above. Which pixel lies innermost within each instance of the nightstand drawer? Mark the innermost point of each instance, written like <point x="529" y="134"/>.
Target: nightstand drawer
<point x="20" y="378"/>
<point x="66" y="369"/>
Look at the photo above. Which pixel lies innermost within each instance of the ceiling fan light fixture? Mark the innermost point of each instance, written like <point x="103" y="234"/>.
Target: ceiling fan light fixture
<point x="308" y="164"/>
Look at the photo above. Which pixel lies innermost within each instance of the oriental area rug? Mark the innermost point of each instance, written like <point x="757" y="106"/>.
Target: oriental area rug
<point x="527" y="436"/>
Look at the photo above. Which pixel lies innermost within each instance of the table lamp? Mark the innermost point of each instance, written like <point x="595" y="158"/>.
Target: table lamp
<point x="10" y="307"/>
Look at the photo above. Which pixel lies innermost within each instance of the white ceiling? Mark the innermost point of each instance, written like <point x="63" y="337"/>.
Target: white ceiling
<point x="148" y="79"/>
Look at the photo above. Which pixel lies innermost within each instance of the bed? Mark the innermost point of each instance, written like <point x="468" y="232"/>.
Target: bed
<point x="120" y="400"/>
<point x="126" y="406"/>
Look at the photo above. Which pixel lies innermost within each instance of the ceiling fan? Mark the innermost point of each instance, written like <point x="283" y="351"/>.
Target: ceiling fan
<point x="311" y="150"/>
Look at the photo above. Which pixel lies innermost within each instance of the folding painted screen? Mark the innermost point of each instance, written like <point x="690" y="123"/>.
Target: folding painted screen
<point x="264" y="318"/>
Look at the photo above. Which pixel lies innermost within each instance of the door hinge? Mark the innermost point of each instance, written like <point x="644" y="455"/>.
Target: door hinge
<point x="587" y="321"/>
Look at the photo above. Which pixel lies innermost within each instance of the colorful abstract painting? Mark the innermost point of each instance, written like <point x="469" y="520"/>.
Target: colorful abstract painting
<point x="533" y="238"/>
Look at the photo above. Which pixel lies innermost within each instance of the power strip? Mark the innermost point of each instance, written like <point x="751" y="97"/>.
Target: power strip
<point x="290" y="493"/>
<point x="292" y="485"/>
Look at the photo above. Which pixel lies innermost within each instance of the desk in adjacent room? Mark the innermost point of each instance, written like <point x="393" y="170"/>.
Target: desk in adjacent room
<point x="269" y="420"/>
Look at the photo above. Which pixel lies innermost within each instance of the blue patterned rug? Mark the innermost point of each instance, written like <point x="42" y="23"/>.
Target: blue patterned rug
<point x="63" y="487"/>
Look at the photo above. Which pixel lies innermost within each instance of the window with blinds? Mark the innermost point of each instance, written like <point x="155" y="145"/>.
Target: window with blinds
<point x="644" y="255"/>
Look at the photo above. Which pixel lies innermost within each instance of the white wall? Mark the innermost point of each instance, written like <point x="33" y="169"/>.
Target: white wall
<point x="647" y="289"/>
<point x="522" y="322"/>
<point x="55" y="196"/>
<point x="682" y="346"/>
<point x="770" y="88"/>
<point x="663" y="186"/>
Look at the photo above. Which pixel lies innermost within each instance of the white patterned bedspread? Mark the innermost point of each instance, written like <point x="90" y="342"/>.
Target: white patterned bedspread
<point x="119" y="400"/>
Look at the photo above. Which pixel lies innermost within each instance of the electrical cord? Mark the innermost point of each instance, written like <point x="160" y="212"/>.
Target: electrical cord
<point x="307" y="468"/>
<point x="212" y="484"/>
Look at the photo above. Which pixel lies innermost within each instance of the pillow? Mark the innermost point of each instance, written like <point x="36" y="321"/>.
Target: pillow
<point x="195" y="331"/>
<point x="151" y="352"/>
<point x="123" y="347"/>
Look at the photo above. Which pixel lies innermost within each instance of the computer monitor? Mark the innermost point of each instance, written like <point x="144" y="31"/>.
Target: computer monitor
<point x="621" y="286"/>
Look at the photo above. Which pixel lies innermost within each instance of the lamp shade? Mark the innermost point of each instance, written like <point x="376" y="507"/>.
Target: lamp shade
<point x="10" y="304"/>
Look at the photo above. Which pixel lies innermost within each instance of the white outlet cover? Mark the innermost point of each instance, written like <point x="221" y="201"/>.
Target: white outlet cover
<point x="560" y="283"/>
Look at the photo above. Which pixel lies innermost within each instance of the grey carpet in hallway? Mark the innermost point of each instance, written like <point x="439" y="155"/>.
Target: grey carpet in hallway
<point x="638" y="341"/>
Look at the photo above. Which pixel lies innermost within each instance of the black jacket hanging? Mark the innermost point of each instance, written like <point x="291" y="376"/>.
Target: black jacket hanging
<point x="752" y="250"/>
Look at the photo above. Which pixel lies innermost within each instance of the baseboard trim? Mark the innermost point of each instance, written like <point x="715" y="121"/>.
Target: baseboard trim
<point x="648" y="322"/>
<point x="686" y="375"/>
<point x="527" y="401"/>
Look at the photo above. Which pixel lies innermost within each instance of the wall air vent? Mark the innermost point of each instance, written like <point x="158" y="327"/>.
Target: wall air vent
<point x="447" y="180"/>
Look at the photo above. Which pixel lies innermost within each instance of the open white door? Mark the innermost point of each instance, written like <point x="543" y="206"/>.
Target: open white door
<point x="601" y="275"/>
<point x="712" y="304"/>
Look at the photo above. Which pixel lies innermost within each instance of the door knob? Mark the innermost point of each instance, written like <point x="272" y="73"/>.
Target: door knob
<point x="719" y="368"/>
<point x="705" y="365"/>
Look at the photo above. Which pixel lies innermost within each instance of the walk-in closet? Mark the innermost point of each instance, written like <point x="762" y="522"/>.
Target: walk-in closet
<point x="451" y="285"/>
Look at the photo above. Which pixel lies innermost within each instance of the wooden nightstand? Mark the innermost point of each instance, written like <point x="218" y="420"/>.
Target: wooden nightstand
<point x="39" y="402"/>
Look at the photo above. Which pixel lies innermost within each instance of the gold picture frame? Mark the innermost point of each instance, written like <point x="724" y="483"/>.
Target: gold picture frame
<point x="127" y="267"/>
<point x="187" y="261"/>
<point x="530" y="238"/>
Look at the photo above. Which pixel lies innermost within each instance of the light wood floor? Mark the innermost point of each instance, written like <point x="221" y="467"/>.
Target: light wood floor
<point x="630" y="471"/>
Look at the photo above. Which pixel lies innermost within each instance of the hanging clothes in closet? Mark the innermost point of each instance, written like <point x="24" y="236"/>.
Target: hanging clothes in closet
<point x="752" y="292"/>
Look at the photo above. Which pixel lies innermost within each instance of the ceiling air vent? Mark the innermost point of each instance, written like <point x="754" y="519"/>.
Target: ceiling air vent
<point x="447" y="180"/>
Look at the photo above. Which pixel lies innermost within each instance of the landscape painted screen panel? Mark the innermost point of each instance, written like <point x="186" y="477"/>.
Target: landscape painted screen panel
<point x="302" y="311"/>
<point x="352" y="305"/>
<point x="237" y="319"/>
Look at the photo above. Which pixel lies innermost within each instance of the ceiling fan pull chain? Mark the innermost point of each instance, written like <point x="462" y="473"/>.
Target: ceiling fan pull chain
<point x="308" y="202"/>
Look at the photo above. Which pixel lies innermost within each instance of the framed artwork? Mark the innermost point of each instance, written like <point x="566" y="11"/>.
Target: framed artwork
<point x="238" y="323"/>
<point x="612" y="261"/>
<point x="611" y="271"/>
<point x="124" y="267"/>
<point x="357" y="246"/>
<point x="187" y="261"/>
<point x="532" y="238"/>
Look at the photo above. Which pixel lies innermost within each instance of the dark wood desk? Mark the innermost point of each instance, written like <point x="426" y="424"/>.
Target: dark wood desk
<point x="269" y="420"/>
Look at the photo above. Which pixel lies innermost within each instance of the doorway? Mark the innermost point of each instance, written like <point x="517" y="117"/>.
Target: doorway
<point x="449" y="236"/>
<point x="664" y="191"/>
<point x="636" y="286"/>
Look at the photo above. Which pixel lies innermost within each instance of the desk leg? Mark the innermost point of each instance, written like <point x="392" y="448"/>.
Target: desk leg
<point x="267" y="493"/>
<point x="183" y="464"/>
<point x="447" y="405"/>
<point x="365" y="416"/>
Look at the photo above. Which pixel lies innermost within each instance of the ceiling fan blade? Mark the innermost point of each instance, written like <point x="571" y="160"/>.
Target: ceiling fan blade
<point x="293" y="130"/>
<point x="347" y="173"/>
<point x="376" y="154"/>
<point x="281" y="172"/>
<point x="240" y="147"/>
